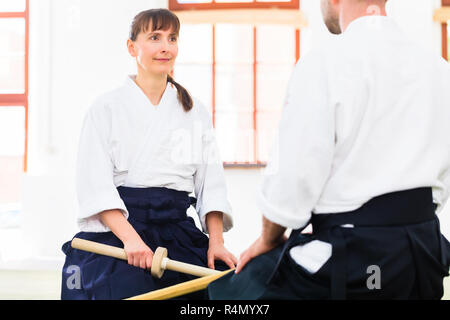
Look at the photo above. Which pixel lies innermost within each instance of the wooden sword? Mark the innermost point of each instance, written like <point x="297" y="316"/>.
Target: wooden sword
<point x="160" y="261"/>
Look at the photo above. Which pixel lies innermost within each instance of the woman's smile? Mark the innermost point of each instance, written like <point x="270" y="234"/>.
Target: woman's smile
<point x="162" y="59"/>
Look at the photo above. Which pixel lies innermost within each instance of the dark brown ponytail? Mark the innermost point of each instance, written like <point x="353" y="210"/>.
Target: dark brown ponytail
<point x="183" y="95"/>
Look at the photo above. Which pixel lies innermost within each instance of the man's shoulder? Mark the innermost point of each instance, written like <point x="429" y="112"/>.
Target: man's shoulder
<point x="327" y="48"/>
<point x="320" y="58"/>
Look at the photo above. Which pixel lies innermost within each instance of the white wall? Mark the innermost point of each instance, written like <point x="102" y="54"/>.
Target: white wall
<point x="77" y="52"/>
<point x="416" y="18"/>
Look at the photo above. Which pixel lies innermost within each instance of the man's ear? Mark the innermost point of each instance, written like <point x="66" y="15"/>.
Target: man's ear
<point x="131" y="48"/>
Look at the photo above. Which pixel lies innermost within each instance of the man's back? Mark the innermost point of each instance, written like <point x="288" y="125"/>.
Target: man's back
<point x="392" y="107"/>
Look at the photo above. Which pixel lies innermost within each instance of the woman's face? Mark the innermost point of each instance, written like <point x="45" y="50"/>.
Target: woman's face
<point x="155" y="50"/>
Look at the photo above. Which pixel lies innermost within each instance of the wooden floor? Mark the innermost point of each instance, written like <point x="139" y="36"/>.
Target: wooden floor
<point x="45" y="285"/>
<point x="29" y="285"/>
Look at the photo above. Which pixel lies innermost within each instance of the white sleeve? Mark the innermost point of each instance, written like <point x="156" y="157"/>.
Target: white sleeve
<point x="94" y="177"/>
<point x="209" y="180"/>
<point x="302" y="155"/>
<point x="441" y="195"/>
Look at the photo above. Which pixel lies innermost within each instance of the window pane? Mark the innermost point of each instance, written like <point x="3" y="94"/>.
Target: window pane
<point x="234" y="87"/>
<point x="229" y="1"/>
<point x="194" y="1"/>
<point x="12" y="56"/>
<point x="267" y="124"/>
<point x="234" y="43"/>
<point x="12" y="131"/>
<point x="276" y="44"/>
<point x="196" y="78"/>
<point x="234" y="1"/>
<point x="12" y="144"/>
<point x="12" y="5"/>
<point x="234" y="133"/>
<point x="272" y="85"/>
<point x="11" y="169"/>
<point x="195" y="43"/>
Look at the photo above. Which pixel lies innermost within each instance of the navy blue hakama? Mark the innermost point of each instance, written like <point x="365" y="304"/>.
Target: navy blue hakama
<point x="395" y="237"/>
<point x="159" y="217"/>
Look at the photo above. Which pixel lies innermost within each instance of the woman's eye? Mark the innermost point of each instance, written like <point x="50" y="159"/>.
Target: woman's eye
<point x="173" y="39"/>
<point x="153" y="37"/>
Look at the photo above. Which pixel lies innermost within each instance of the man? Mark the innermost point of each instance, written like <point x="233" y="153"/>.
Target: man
<point x="364" y="155"/>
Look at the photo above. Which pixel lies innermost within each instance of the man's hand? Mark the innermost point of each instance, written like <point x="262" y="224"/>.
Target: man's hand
<point x="272" y="235"/>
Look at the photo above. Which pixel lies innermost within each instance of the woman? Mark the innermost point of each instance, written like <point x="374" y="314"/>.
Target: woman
<point x="143" y="149"/>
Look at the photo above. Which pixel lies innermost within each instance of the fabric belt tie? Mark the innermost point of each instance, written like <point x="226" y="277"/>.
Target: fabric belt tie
<point x="293" y="236"/>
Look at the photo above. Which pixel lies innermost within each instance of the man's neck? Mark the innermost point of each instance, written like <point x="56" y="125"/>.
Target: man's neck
<point x="352" y="10"/>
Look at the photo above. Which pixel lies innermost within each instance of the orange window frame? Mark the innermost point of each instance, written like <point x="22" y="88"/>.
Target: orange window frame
<point x="213" y="5"/>
<point x="21" y="99"/>
<point x="293" y="4"/>
<point x="445" y="33"/>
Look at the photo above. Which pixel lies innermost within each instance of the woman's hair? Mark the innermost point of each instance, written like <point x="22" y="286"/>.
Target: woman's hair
<point x="161" y="19"/>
